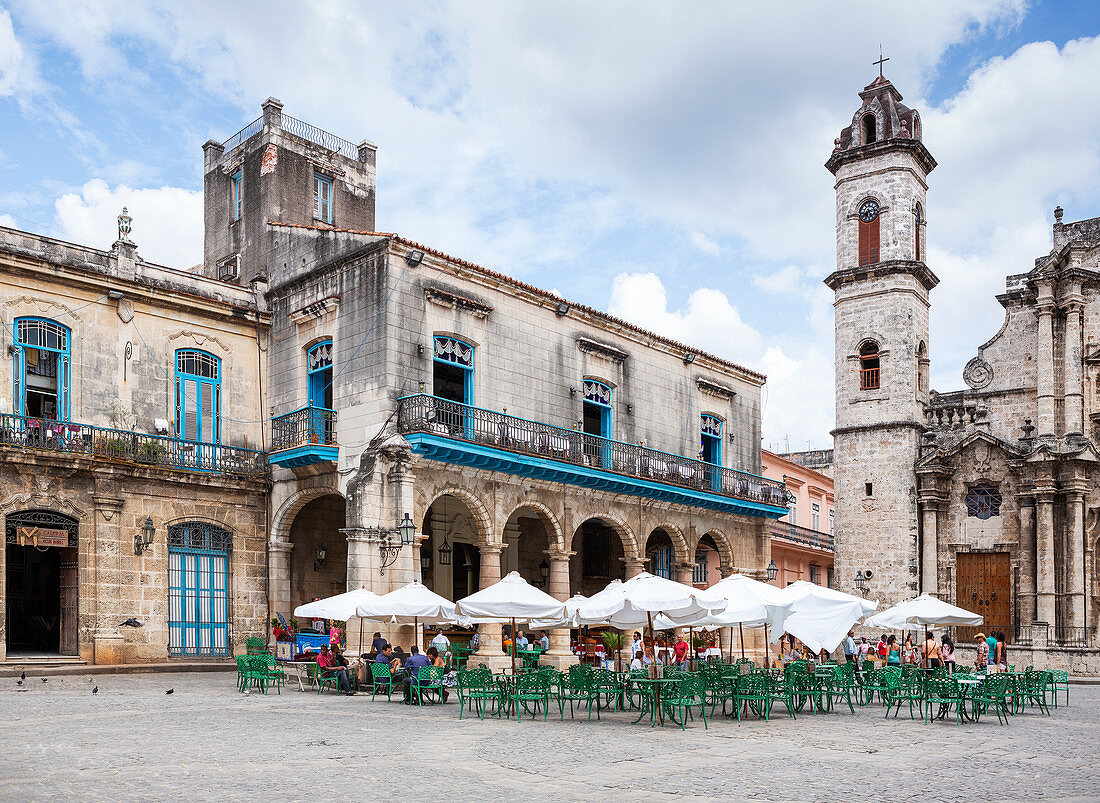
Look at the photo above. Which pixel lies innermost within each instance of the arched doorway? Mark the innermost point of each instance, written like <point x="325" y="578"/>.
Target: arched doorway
<point x="319" y="560"/>
<point x="598" y="557"/>
<point x="660" y="553"/>
<point x="708" y="563"/>
<point x="40" y="582"/>
<point x="450" y="562"/>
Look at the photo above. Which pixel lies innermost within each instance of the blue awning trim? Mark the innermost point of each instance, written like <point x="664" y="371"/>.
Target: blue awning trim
<point x="475" y="455"/>
<point x="304" y="455"/>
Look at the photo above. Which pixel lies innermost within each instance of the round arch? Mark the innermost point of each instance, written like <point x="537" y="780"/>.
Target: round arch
<point x="483" y="521"/>
<point x="680" y="552"/>
<point x="723" y="543"/>
<point x="626" y="535"/>
<point x="553" y="526"/>
<point x="284" y="516"/>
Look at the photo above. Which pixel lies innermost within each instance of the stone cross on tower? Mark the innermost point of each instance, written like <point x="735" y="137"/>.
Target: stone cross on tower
<point x="124" y="221"/>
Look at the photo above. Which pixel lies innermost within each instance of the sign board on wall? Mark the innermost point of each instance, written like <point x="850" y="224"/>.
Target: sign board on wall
<point x="40" y="536"/>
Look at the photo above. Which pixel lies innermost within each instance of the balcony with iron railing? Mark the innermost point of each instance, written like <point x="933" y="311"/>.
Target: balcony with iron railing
<point x="120" y="446"/>
<point x="458" y="433"/>
<point x="297" y="128"/>
<point x="304" y="436"/>
<point x="803" y="536"/>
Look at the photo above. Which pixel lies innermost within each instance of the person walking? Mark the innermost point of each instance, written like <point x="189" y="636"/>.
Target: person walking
<point x="991" y="656"/>
<point x="930" y="651"/>
<point x="981" y="659"/>
<point x="893" y="651"/>
<point x="850" y="647"/>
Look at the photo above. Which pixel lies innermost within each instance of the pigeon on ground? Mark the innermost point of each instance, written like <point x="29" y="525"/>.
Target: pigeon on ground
<point x="132" y="622"/>
<point x="19" y="683"/>
<point x="22" y="675"/>
<point x="44" y="679"/>
<point x="96" y="689"/>
<point x="170" y="691"/>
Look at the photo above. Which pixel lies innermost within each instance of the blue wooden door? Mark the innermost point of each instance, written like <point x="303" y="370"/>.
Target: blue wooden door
<point x="198" y="601"/>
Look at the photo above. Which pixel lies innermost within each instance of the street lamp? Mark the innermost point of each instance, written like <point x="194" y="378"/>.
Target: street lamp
<point x="773" y="570"/>
<point x="425" y="561"/>
<point x="444" y="553"/>
<point x="861" y="581"/>
<point x="144" y="540"/>
<point x="322" y="553"/>
<point x="396" y="539"/>
<point x="544" y="573"/>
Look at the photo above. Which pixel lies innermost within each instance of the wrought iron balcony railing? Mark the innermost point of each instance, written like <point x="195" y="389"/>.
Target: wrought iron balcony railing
<point x="309" y="425"/>
<point x="803" y="535"/>
<point x="432" y="415"/>
<point x="101" y="443"/>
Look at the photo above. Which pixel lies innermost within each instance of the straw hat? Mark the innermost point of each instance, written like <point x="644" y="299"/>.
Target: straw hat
<point x="979" y="637"/>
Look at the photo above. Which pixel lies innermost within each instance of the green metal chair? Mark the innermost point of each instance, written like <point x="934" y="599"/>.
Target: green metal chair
<point x="902" y="689"/>
<point x="576" y="687"/>
<point x="477" y="688"/>
<point x="264" y="666"/>
<point x="323" y="681"/>
<point x="254" y="645"/>
<point x="943" y="692"/>
<point x="690" y="693"/>
<point x="840" y="686"/>
<point x="381" y="678"/>
<point x="530" y="689"/>
<point x="428" y="680"/>
<point x="1059" y="682"/>
<point x="991" y="693"/>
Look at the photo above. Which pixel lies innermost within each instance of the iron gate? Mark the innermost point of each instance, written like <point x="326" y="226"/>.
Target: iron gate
<point x="198" y="589"/>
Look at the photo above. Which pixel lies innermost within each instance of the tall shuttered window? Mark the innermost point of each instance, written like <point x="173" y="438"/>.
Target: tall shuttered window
<point x="868" y="232"/>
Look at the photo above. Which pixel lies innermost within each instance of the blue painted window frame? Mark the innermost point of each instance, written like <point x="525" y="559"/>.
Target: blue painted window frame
<point x="64" y="363"/>
<point x="202" y="384"/>
<point x="198" y="589"/>
<point x="322" y="198"/>
<point x="593" y="396"/>
<point x="236" y="185"/>
<point x="316" y="380"/>
<point x="662" y="562"/>
<point x="449" y="358"/>
<point x="709" y="438"/>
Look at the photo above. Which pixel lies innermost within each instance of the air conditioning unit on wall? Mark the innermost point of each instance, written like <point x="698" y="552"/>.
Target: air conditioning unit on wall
<point x="230" y="269"/>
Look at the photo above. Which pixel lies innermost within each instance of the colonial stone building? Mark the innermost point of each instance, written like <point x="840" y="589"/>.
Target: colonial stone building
<point x="987" y="497"/>
<point x="132" y="468"/>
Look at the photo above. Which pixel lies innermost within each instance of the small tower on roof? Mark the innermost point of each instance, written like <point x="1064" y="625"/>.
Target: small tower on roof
<point x="881" y="285"/>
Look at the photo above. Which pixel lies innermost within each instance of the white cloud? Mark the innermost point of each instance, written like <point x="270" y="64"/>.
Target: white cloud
<point x="705" y="243"/>
<point x="15" y="69"/>
<point x="167" y="223"/>
<point x="9" y="221"/>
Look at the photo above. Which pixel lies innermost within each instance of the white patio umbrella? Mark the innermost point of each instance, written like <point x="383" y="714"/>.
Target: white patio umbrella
<point x="822" y="616"/>
<point x="342" y="607"/>
<point x="413" y="604"/>
<point x="920" y="612"/>
<point x="569" y="620"/>
<point x="747" y="598"/>
<point x="635" y="603"/>
<point x="512" y="599"/>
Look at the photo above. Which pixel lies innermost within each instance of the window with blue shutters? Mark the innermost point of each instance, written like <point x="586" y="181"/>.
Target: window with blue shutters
<point x="236" y="185"/>
<point x="198" y="396"/>
<point x="41" y="368"/>
<point x="322" y="198"/>
<point x="198" y="589"/>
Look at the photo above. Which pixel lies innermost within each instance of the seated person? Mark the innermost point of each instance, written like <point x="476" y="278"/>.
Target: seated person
<point x="412" y="666"/>
<point x="329" y="668"/>
<point x="521" y="641"/>
<point x="544" y="641"/>
<point x="449" y="677"/>
<point x="387" y="657"/>
<point x="475" y="640"/>
<point x="441" y="642"/>
<point x="638" y="662"/>
<point x="378" y="643"/>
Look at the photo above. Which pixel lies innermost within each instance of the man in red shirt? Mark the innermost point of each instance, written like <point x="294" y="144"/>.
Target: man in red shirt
<point x="329" y="668"/>
<point x="680" y="651"/>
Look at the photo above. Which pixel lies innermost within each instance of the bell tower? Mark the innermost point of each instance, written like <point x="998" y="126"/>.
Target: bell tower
<point x="881" y="287"/>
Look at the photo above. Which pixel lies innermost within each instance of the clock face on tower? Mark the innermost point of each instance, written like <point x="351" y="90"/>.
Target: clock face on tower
<point x="868" y="210"/>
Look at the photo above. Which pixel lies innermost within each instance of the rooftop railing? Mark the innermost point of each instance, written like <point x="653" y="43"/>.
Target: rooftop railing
<point x="803" y="535"/>
<point x="120" y="446"/>
<point x="318" y="136"/>
<point x="432" y="415"/>
<point x="253" y="128"/>
<point x="309" y="425"/>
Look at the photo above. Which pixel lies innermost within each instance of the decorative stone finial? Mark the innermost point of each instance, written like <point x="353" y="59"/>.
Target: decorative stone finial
<point x="124" y="221"/>
<point x="1058" y="214"/>
<point x="1027" y="429"/>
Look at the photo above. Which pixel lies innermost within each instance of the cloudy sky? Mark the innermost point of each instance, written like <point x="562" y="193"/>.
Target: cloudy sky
<point x="661" y="161"/>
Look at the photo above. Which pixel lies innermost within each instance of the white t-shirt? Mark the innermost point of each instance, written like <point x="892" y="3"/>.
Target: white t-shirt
<point x="636" y="664"/>
<point x="441" y="643"/>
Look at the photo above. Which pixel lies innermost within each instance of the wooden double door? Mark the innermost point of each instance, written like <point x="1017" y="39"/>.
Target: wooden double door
<point x="984" y="585"/>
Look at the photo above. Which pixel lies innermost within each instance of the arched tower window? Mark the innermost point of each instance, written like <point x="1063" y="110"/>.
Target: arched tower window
<point x="867" y="129"/>
<point x="922" y="366"/>
<point x="868" y="232"/>
<point x="868" y="366"/>
<point x="918" y="218"/>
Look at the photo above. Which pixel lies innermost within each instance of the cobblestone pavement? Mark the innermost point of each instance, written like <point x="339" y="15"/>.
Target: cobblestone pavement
<point x="206" y="741"/>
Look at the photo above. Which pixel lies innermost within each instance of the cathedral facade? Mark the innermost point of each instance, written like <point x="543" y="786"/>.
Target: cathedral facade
<point x="987" y="497"/>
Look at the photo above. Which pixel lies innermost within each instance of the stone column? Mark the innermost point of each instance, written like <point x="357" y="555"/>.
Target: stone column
<point x="1027" y="560"/>
<point x="278" y="578"/>
<point x="1044" y="356"/>
<point x="109" y="641"/>
<point x="559" y="654"/>
<point x="490" y="644"/>
<point x="683" y="573"/>
<point x="930" y="523"/>
<point x="1074" y="409"/>
<point x="1075" y="557"/>
<point x="634" y="566"/>
<point x="1044" y="556"/>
